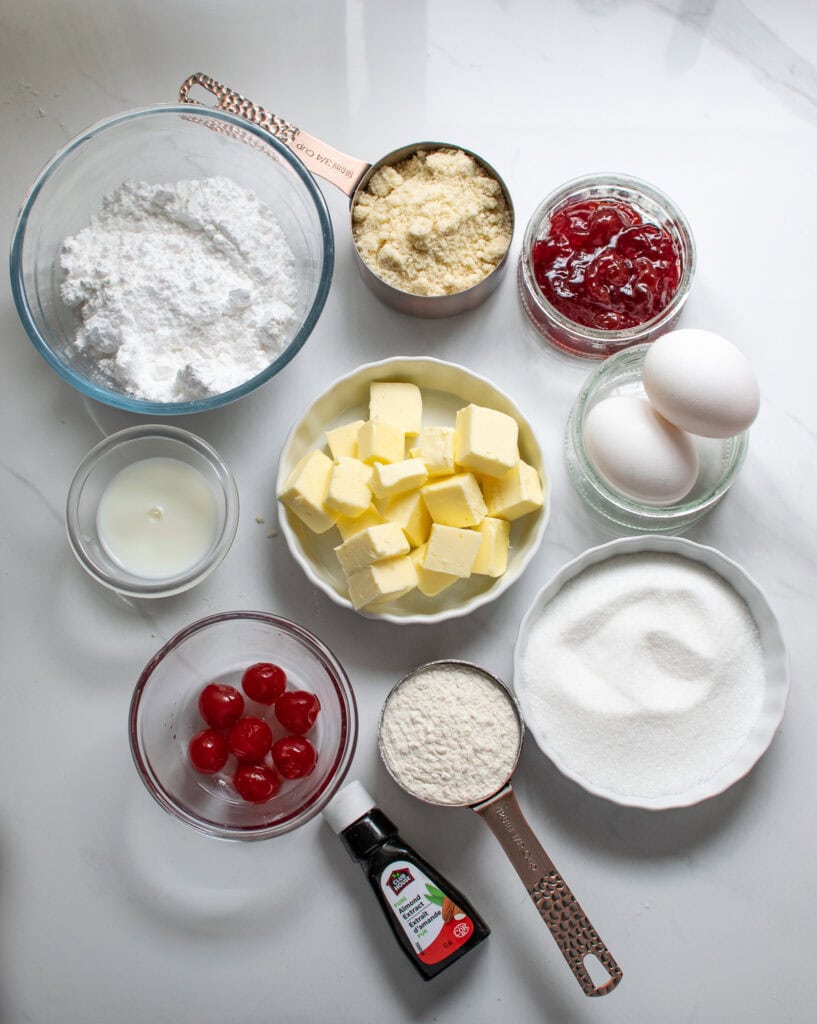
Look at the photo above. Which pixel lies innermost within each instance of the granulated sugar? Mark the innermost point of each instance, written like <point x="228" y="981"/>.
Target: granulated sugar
<point x="449" y="734"/>
<point x="183" y="290"/>
<point x="643" y="675"/>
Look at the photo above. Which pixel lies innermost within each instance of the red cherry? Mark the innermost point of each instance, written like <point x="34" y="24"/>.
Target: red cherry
<point x="294" y="756"/>
<point x="208" y="751"/>
<point x="256" y="783"/>
<point x="220" y="706"/>
<point x="297" y="710"/>
<point x="250" y="739"/>
<point x="264" y="682"/>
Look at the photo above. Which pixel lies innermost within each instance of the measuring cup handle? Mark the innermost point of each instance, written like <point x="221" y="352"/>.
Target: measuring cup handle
<point x="557" y="906"/>
<point x="328" y="163"/>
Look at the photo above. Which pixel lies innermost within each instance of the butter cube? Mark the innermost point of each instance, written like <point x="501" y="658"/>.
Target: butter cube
<point x="399" y="404"/>
<point x="515" y="494"/>
<point x="382" y="581"/>
<point x="435" y="446"/>
<point x="429" y="582"/>
<point x="394" y="478"/>
<point x="343" y="440"/>
<point x="385" y="540"/>
<point x="485" y="440"/>
<point x="410" y="513"/>
<point x="350" y="525"/>
<point x="455" y="500"/>
<point x="451" y="550"/>
<point x="349" y="492"/>
<point x="492" y="557"/>
<point x="380" y="442"/>
<point x="304" y="492"/>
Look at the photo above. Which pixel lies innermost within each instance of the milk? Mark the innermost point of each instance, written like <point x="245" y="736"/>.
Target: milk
<point x="157" y="518"/>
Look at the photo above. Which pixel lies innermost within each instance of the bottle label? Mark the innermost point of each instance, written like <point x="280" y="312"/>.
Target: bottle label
<point x="434" y="924"/>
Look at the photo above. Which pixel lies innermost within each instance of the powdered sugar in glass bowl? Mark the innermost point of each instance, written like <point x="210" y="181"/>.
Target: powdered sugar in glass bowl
<point x="163" y="145"/>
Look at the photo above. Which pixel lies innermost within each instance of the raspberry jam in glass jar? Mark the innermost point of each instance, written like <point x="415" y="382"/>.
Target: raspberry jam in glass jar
<point x="607" y="262"/>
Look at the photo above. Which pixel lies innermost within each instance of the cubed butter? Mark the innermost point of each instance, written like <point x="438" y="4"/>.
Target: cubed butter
<point x="349" y="491"/>
<point x="492" y="557"/>
<point x="400" y="404"/>
<point x="392" y="478"/>
<point x="515" y="494"/>
<point x="455" y="500"/>
<point x="380" y="442"/>
<point x="485" y="440"/>
<point x="410" y="513"/>
<point x="451" y="550"/>
<point x="350" y="525"/>
<point x="429" y="582"/>
<point x="382" y="581"/>
<point x="435" y="446"/>
<point x="386" y="540"/>
<point x="342" y="441"/>
<point x="304" y="492"/>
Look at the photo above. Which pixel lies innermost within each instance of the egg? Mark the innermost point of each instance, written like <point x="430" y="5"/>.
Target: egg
<point x="701" y="382"/>
<point x="638" y="453"/>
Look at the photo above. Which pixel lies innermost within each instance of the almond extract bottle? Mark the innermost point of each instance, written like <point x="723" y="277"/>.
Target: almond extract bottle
<point x="433" y="922"/>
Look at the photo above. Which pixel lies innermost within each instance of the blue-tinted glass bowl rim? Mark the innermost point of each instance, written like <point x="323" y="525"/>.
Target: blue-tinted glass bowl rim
<point x="122" y="401"/>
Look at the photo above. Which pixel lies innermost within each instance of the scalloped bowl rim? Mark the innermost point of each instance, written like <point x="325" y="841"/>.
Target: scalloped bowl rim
<point x="775" y="656"/>
<point x="501" y="584"/>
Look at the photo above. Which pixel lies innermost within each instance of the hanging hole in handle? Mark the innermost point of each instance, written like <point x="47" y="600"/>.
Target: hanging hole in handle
<point x="599" y="974"/>
<point x="202" y="96"/>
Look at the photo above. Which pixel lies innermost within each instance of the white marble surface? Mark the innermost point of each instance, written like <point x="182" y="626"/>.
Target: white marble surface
<point x="109" y="909"/>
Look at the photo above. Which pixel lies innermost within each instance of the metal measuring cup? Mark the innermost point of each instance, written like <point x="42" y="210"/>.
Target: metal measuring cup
<point x="352" y="176"/>
<point x="558" y="907"/>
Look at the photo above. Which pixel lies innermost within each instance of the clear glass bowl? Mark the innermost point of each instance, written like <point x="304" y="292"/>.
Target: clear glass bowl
<point x="719" y="458"/>
<point x="102" y="464"/>
<point x="164" y="717"/>
<point x="655" y="207"/>
<point x="159" y="145"/>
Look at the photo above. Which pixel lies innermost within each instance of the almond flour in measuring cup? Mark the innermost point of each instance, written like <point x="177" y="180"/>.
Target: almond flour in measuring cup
<point x="643" y="675"/>
<point x="449" y="734"/>
<point x="183" y="290"/>
<point x="434" y="224"/>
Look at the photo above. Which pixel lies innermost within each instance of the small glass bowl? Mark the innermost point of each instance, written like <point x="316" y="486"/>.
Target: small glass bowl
<point x="164" y="717"/>
<point x="720" y="458"/>
<point x="161" y="144"/>
<point x="655" y="207"/>
<point x="102" y="464"/>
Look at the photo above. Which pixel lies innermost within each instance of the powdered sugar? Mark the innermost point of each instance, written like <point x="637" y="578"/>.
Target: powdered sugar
<point x="449" y="734"/>
<point x="183" y="290"/>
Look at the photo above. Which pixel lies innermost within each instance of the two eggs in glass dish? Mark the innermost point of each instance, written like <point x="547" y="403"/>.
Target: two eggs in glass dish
<point x="644" y="443"/>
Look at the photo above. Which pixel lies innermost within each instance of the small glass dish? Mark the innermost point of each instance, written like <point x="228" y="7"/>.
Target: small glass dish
<point x="719" y="459"/>
<point x="161" y="145"/>
<point x="164" y="717"/>
<point x="654" y="207"/>
<point x="121" y="451"/>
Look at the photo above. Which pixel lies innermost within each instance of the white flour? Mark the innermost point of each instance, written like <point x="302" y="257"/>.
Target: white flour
<point x="449" y="735"/>
<point x="644" y="675"/>
<point x="183" y="290"/>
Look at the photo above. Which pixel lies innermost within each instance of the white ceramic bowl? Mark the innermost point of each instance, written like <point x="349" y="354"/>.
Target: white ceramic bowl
<point x="446" y="387"/>
<point x="773" y="701"/>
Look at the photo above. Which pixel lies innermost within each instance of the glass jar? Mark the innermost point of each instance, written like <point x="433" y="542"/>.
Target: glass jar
<point x="719" y="458"/>
<point x="654" y="207"/>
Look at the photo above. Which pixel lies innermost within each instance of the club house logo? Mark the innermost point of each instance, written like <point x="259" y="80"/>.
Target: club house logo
<point x="399" y="879"/>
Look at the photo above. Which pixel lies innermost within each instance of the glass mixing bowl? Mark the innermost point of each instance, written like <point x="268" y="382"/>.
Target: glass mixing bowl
<point x="161" y="144"/>
<point x="164" y="716"/>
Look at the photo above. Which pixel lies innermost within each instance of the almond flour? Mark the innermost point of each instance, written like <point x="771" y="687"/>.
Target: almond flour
<point x="434" y="224"/>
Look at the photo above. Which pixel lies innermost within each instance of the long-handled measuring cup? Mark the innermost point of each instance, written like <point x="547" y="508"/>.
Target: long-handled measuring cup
<point x="499" y="809"/>
<point x="351" y="176"/>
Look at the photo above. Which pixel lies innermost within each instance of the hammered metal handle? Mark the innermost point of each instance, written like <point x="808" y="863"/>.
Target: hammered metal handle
<point x="558" y="907"/>
<point x="327" y="162"/>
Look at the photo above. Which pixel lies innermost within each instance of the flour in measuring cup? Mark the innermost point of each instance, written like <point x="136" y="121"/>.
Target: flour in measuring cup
<point x="183" y="290"/>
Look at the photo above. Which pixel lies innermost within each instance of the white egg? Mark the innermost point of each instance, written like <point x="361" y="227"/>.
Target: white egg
<point x="638" y="453"/>
<point x="701" y="382"/>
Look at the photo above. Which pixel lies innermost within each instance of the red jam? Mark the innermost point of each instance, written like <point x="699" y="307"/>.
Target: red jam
<point x="602" y="266"/>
